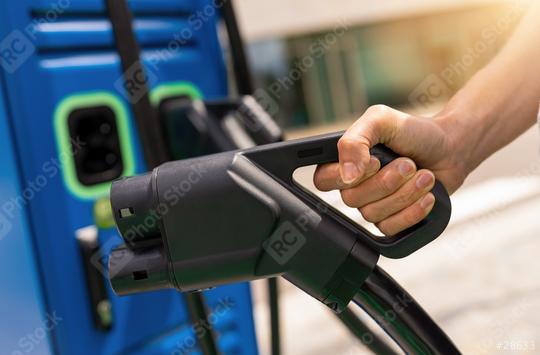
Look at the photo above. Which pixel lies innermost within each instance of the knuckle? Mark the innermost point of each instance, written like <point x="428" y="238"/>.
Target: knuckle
<point x="318" y="180"/>
<point x="346" y="143"/>
<point x="414" y="216"/>
<point x="385" y="183"/>
<point x="369" y="214"/>
<point x="405" y="198"/>
<point x="378" y="110"/>
<point x="384" y="228"/>
<point x="349" y="198"/>
<point x="401" y="200"/>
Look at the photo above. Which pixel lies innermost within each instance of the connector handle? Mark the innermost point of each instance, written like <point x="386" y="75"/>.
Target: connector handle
<point x="282" y="159"/>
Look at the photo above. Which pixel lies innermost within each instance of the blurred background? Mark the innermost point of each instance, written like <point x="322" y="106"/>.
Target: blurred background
<point x="318" y="66"/>
<point x="324" y="62"/>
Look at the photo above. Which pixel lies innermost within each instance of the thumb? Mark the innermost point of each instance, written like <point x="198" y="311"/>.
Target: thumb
<point x="377" y="125"/>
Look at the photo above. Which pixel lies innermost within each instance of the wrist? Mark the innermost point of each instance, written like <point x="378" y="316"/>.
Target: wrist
<point x="463" y="131"/>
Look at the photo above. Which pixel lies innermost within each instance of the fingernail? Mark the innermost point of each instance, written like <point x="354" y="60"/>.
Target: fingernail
<point x="406" y="168"/>
<point x="427" y="201"/>
<point x="424" y="181"/>
<point x="350" y="172"/>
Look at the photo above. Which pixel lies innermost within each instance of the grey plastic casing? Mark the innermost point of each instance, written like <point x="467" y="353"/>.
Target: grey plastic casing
<point x="239" y="216"/>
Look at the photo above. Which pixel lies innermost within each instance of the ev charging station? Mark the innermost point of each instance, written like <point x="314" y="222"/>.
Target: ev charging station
<point x="62" y="75"/>
<point x="95" y="92"/>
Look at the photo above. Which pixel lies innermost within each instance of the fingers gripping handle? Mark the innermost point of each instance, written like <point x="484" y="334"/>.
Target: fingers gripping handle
<point x="421" y="234"/>
<point x="281" y="160"/>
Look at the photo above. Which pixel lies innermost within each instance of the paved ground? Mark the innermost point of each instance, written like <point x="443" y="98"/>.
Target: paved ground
<point x="480" y="281"/>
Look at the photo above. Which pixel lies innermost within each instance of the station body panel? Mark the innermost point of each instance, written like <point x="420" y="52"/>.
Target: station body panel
<point x="61" y="83"/>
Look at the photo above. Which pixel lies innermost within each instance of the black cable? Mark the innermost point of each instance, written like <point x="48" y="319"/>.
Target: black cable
<point x="136" y="83"/>
<point x="245" y="86"/>
<point x="198" y="310"/>
<point x="242" y="72"/>
<point x="273" y="299"/>
<point x="402" y="317"/>
<point x="413" y="329"/>
<point x="150" y="131"/>
<point x="362" y="332"/>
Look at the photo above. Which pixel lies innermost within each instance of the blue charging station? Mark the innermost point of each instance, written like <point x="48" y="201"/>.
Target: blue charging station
<point x="58" y="58"/>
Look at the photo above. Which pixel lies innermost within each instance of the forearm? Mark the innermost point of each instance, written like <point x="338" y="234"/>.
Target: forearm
<point x="501" y="101"/>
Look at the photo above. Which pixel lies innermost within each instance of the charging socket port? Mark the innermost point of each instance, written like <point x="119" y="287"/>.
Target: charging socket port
<point x="94" y="143"/>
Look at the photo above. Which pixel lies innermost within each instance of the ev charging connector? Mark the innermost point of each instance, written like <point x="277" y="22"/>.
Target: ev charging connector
<point x="238" y="216"/>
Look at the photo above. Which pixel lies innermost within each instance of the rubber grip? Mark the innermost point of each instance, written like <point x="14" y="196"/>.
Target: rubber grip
<point x="282" y="159"/>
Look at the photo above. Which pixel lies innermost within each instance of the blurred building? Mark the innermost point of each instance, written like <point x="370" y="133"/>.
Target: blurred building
<point x="322" y="61"/>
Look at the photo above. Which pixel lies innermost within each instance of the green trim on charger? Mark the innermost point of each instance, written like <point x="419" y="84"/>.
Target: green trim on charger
<point x="63" y="140"/>
<point x="168" y="90"/>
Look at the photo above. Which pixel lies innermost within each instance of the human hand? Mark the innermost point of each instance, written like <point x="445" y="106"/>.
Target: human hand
<point x="397" y="196"/>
